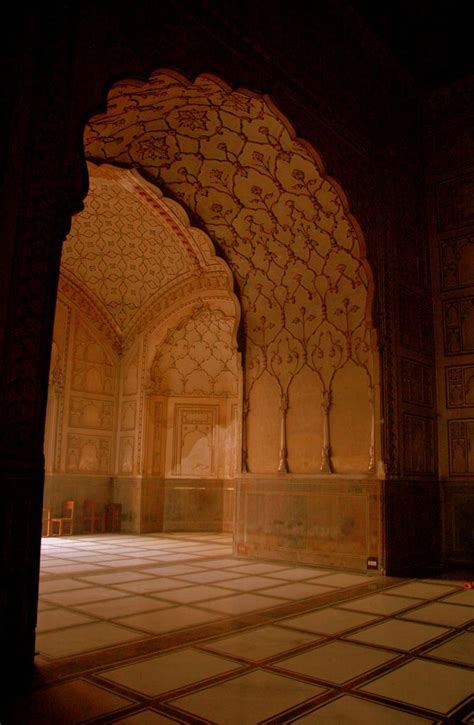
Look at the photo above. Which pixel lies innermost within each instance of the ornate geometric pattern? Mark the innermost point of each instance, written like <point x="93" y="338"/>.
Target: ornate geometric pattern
<point x="282" y="225"/>
<point x="198" y="357"/>
<point x="460" y="386"/>
<point x="117" y="249"/>
<point x="461" y="447"/>
<point x="129" y="247"/>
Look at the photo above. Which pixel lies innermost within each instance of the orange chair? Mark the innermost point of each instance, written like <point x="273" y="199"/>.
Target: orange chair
<point x="112" y="517"/>
<point x="46" y="525"/>
<point x="64" y="523"/>
<point x="90" y="518"/>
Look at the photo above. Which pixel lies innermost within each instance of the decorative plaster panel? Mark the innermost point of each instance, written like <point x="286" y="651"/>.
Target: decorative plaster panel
<point x="331" y="523"/>
<point x="126" y="448"/>
<point x="417" y="382"/>
<point x="93" y="367"/>
<point x="418" y="439"/>
<point x="413" y="262"/>
<point x="416" y="333"/>
<point x="198" y="357"/>
<point x="90" y="413"/>
<point x="458" y="318"/>
<point x="452" y="145"/>
<point x="128" y="415"/>
<point x="460" y="386"/>
<point x="157" y="463"/>
<point x="459" y="520"/>
<point x="195" y="440"/>
<point x="457" y="262"/>
<point x="130" y="374"/>
<point x="461" y="446"/>
<point x="455" y="202"/>
<point x="88" y="454"/>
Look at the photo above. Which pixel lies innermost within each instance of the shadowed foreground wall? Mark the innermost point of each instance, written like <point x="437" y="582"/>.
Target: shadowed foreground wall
<point x="342" y="93"/>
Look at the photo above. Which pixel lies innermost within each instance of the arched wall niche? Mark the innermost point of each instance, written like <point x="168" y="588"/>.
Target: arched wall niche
<point x="134" y="276"/>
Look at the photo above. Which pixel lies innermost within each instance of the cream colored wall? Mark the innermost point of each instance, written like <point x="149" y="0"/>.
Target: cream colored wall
<point x="112" y="434"/>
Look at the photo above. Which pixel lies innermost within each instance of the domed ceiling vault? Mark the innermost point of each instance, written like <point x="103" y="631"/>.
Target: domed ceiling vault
<point x="261" y="193"/>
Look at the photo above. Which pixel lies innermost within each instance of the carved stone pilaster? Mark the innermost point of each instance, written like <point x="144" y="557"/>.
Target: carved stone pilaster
<point x="283" y="463"/>
<point x="326" y="466"/>
<point x="245" y="415"/>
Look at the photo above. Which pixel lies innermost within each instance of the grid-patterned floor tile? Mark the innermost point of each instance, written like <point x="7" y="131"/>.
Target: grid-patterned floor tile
<point x="258" y="644"/>
<point x="247" y="699"/>
<point x="448" y="615"/>
<point x="74" y="640"/>
<point x="399" y="634"/>
<point x="145" y="589"/>
<point x="168" y="620"/>
<point x="336" y="662"/>
<point x="329" y="621"/>
<point x="460" y="650"/>
<point x="350" y="710"/>
<point x="157" y="675"/>
<point x="430" y="685"/>
<point x="74" y="702"/>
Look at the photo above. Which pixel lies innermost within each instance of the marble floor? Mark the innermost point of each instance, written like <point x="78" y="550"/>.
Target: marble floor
<point x="173" y="628"/>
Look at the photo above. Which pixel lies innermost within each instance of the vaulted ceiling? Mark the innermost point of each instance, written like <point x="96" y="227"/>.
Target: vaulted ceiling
<point x="131" y="252"/>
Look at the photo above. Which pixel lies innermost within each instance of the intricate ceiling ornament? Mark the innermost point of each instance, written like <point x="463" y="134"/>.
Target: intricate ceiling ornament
<point x="129" y="249"/>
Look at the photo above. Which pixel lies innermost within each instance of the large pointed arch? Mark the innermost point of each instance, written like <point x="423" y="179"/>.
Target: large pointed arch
<point x="283" y="225"/>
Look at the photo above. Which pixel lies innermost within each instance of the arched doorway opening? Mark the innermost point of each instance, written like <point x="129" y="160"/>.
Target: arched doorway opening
<point x="145" y="382"/>
<point x="310" y="367"/>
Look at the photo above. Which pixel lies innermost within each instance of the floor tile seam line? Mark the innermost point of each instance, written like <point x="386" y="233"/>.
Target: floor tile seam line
<point x="455" y="630"/>
<point x="425" y="656"/>
<point x="294" y="711"/>
<point x="308" y="604"/>
<point x="143" y="658"/>
<point x="399" y="705"/>
<point x="412" y="709"/>
<point x="108" y="719"/>
<point x="266" y="661"/>
<point x="353" y="683"/>
<point x="390" y="648"/>
<point x="396" y="667"/>
<point x="203" y="684"/>
<point x="462" y="710"/>
<point x="288" y="712"/>
<point x="173" y="711"/>
<point x="450" y="591"/>
<point x="157" y="699"/>
<point x="434" y="641"/>
<point x="302" y="708"/>
<point x="148" y="645"/>
<point x="402" y="616"/>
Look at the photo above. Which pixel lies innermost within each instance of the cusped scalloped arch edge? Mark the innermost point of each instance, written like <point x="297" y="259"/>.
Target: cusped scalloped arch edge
<point x="187" y="82"/>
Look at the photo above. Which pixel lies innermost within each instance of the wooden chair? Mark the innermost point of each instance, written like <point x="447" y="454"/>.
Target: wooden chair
<point x="46" y="525"/>
<point x="112" y="517"/>
<point x="65" y="523"/>
<point x="90" y="518"/>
